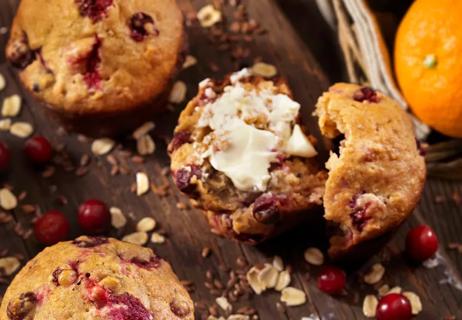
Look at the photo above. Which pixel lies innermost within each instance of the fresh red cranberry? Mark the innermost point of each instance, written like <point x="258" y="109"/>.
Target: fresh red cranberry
<point x="421" y="243"/>
<point x="138" y="26"/>
<point x="266" y="209"/>
<point x="94" y="9"/>
<point x="5" y="156"/>
<point x="38" y="149"/>
<point x="179" y="139"/>
<point x="94" y="216"/>
<point x="51" y="228"/>
<point x="394" y="306"/>
<point x="331" y="280"/>
<point x="366" y="94"/>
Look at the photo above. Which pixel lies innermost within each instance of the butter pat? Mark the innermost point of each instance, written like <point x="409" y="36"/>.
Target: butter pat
<point x="299" y="145"/>
<point x="247" y="158"/>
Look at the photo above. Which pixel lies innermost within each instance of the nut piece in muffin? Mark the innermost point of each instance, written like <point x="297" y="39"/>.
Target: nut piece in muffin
<point x="241" y="154"/>
<point x="101" y="65"/>
<point x="377" y="177"/>
<point x="96" y="278"/>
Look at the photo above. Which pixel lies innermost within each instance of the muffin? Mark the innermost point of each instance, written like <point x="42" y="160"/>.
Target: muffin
<point x="242" y="156"/>
<point x="96" y="278"/>
<point x="104" y="65"/>
<point x="377" y="176"/>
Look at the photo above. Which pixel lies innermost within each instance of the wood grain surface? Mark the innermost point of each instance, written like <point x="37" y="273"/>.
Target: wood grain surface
<point x="287" y="43"/>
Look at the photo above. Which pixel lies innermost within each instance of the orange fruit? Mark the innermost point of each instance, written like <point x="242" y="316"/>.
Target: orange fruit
<point x="428" y="63"/>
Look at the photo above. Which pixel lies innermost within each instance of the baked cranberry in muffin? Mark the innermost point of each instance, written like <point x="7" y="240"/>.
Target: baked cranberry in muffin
<point x="242" y="156"/>
<point x="101" y="65"/>
<point x="108" y="280"/>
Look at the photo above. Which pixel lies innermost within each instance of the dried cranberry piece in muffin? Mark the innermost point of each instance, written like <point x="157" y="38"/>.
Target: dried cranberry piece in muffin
<point x="153" y="263"/>
<point x="89" y="242"/>
<point x="141" y="26"/>
<point x="366" y="94"/>
<point x="266" y="208"/>
<point x="179" y="139"/>
<point x="132" y="308"/>
<point x="94" y="9"/>
<point x="92" y="61"/>
<point x="23" y="307"/>
<point x="183" y="177"/>
<point x="180" y="308"/>
<point x="19" y="52"/>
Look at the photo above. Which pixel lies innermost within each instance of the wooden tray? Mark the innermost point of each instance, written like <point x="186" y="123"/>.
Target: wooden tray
<point x="440" y="288"/>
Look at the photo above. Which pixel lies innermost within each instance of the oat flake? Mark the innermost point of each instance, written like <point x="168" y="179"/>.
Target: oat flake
<point x="11" y="106"/>
<point x="118" y="219"/>
<point x="157" y="238"/>
<point x="9" y="265"/>
<point x="21" y="129"/>
<point x="2" y="82"/>
<point x="140" y="238"/>
<point x="283" y="280"/>
<point x="178" y="93"/>
<point x="293" y="296"/>
<point x="223" y="303"/>
<point x="370" y="306"/>
<point x="375" y="274"/>
<point x="208" y="16"/>
<point x="146" y="224"/>
<point x="5" y="124"/>
<point x="143" y="130"/>
<point x="414" y="299"/>
<point x="8" y="200"/>
<point x="264" y="70"/>
<point x="142" y="183"/>
<point x="314" y="256"/>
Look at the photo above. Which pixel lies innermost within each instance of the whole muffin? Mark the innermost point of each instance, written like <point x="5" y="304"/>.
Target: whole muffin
<point x="98" y="279"/>
<point x="242" y="156"/>
<point x="102" y="65"/>
<point x="377" y="176"/>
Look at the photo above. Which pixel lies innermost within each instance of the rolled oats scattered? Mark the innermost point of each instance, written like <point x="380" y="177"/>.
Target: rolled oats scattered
<point x="21" y="129"/>
<point x="254" y="280"/>
<point x="268" y="276"/>
<point x="293" y="297"/>
<point x="383" y="290"/>
<point x="264" y="70"/>
<point x="208" y="16"/>
<point x="143" y="130"/>
<point x="314" y="256"/>
<point x="2" y="82"/>
<point x="283" y="280"/>
<point x="157" y="238"/>
<point x="223" y="303"/>
<point x="189" y="61"/>
<point x="146" y="224"/>
<point x="139" y="238"/>
<point x="118" y="219"/>
<point x="375" y="274"/>
<point x="9" y="265"/>
<point x="278" y="263"/>
<point x="8" y="200"/>
<point x="142" y="183"/>
<point x="5" y="124"/>
<point x="102" y="146"/>
<point x="414" y="299"/>
<point x="395" y="290"/>
<point x="238" y="317"/>
<point x="145" y="145"/>
<point x="370" y="305"/>
<point x="11" y="106"/>
<point x="178" y="93"/>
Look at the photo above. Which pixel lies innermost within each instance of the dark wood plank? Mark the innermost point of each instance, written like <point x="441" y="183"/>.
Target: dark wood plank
<point x="187" y="231"/>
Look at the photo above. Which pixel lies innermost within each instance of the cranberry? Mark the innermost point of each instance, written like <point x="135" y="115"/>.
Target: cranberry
<point x="421" y="243"/>
<point x="152" y="263"/>
<point x="394" y="306"/>
<point x="38" y="149"/>
<point x="5" y="156"/>
<point x="133" y="308"/>
<point x="92" y="61"/>
<point x="359" y="218"/>
<point x="366" y="94"/>
<point x="139" y="26"/>
<point x="183" y="177"/>
<point x="22" y="307"/>
<point x="179" y="139"/>
<point x="331" y="280"/>
<point x="266" y="209"/>
<point x="94" y="9"/>
<point x="90" y="242"/>
<point x="20" y="54"/>
<point x="94" y="216"/>
<point x="52" y="227"/>
<point x="180" y="308"/>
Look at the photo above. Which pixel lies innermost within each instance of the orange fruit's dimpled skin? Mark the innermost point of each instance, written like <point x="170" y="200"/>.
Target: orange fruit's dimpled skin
<point x="434" y="92"/>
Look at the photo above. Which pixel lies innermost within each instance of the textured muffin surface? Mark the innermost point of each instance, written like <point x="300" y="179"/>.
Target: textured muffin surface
<point x="376" y="179"/>
<point x="96" y="278"/>
<point x="104" y="56"/>
<point x="240" y="153"/>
